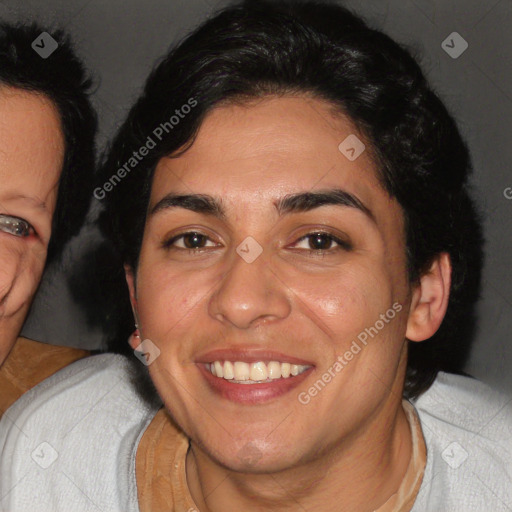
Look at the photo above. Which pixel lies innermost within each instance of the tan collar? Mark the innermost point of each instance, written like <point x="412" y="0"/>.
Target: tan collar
<point x="403" y="499"/>
<point x="161" y="470"/>
<point x="160" y="467"/>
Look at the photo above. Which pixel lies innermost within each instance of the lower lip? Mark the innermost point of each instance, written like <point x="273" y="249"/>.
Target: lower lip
<point x="252" y="393"/>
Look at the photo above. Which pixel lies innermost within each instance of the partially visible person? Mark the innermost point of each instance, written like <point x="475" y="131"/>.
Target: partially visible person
<point x="47" y="158"/>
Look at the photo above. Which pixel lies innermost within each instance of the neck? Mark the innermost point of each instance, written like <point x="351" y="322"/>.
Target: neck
<point x="357" y="474"/>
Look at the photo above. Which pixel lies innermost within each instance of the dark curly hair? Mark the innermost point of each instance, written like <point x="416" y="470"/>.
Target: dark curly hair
<point x="254" y="49"/>
<point x="62" y="78"/>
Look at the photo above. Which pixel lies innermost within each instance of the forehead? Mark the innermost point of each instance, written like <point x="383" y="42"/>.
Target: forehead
<point x="31" y="143"/>
<point x="252" y="154"/>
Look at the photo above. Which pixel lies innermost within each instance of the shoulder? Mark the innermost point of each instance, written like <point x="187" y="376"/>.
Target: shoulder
<point x="76" y="430"/>
<point x="103" y="385"/>
<point x="457" y="403"/>
<point x="30" y="362"/>
<point x="468" y="433"/>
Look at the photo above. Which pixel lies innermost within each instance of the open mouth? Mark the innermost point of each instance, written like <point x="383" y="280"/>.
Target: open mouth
<point x="241" y="372"/>
<point x="255" y="382"/>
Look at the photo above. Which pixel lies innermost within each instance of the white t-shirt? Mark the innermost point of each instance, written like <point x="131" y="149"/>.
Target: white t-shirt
<point x="467" y="428"/>
<point x="69" y="444"/>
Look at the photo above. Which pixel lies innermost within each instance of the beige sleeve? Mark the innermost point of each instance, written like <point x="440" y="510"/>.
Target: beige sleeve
<point x="30" y="362"/>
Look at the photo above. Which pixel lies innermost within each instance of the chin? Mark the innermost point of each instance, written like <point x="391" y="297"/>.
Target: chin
<point x="250" y="458"/>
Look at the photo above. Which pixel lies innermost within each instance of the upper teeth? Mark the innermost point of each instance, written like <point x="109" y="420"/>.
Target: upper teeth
<point x="255" y="372"/>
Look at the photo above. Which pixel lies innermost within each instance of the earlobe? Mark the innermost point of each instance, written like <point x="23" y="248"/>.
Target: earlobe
<point x="134" y="339"/>
<point x="430" y="300"/>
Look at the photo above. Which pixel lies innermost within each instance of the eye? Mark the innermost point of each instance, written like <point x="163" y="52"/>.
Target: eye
<point x="192" y="241"/>
<point x="15" y="226"/>
<point x="320" y="241"/>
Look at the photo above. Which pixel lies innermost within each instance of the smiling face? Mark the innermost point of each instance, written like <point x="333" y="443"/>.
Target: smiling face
<point x="31" y="158"/>
<point x="314" y="274"/>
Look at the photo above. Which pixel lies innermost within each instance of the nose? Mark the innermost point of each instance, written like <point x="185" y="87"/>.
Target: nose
<point x="250" y="294"/>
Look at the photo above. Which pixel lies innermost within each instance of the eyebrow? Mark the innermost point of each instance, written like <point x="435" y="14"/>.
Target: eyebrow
<point x="291" y="203"/>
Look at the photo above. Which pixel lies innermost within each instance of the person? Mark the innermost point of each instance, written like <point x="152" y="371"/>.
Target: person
<point x="291" y="203"/>
<point x="47" y="158"/>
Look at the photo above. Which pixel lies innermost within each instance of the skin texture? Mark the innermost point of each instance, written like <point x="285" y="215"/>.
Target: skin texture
<point x="31" y="158"/>
<point x="348" y="448"/>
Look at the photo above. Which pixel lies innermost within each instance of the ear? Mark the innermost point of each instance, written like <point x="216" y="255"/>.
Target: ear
<point x="130" y="281"/>
<point x="430" y="300"/>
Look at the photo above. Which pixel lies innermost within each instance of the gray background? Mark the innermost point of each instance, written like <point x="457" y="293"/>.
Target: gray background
<point x="120" y="40"/>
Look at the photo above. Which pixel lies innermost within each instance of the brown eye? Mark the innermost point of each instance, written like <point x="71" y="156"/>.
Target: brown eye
<point x="192" y="241"/>
<point x="320" y="241"/>
<point x="15" y="226"/>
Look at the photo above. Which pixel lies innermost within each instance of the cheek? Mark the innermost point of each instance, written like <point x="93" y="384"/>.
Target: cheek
<point x="166" y="297"/>
<point x="346" y="300"/>
<point x="11" y="258"/>
<point x="20" y="272"/>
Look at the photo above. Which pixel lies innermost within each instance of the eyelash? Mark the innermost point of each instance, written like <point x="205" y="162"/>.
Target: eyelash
<point x="342" y="244"/>
<point x="12" y="225"/>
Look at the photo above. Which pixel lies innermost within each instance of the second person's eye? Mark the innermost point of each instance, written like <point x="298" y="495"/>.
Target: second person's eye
<point x="15" y="226"/>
